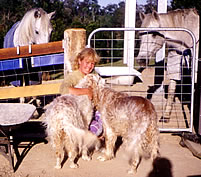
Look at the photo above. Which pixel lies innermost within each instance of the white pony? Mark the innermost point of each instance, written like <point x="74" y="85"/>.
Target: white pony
<point x="179" y="44"/>
<point x="34" y="28"/>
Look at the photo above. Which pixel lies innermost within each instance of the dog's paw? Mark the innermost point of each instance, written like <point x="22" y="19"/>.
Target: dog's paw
<point x="86" y="158"/>
<point x="131" y="172"/>
<point x="105" y="157"/>
<point x="74" y="165"/>
<point x="57" y="166"/>
<point x="102" y="158"/>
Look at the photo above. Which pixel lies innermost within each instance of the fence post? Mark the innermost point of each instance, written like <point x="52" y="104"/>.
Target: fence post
<point x="74" y="42"/>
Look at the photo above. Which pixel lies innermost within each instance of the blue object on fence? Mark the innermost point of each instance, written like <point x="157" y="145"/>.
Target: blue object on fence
<point x="48" y="60"/>
<point x="17" y="83"/>
<point x="11" y="64"/>
<point x="8" y="39"/>
<point x="38" y="61"/>
<point x="8" y="43"/>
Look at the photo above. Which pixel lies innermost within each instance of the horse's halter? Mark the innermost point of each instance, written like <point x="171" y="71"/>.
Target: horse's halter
<point x="155" y="33"/>
<point x="186" y="52"/>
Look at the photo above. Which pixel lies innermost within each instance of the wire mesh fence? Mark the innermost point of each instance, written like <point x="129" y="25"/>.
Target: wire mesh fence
<point x="168" y="81"/>
<point x="31" y="71"/>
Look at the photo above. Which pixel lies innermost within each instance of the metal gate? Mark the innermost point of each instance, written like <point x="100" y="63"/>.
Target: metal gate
<point x="125" y="74"/>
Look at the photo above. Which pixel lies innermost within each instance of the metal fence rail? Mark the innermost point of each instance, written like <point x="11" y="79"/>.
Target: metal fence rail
<point x="109" y="44"/>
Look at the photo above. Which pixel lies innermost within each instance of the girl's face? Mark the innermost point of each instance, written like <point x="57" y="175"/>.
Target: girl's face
<point x="86" y="66"/>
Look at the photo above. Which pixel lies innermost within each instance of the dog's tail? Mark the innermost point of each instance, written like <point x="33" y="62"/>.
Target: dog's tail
<point x="91" y="141"/>
<point x="84" y="139"/>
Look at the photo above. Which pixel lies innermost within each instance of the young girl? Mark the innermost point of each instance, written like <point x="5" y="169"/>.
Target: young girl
<point x="84" y="64"/>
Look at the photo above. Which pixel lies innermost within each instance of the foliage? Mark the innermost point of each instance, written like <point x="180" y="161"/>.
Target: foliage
<point x="150" y="6"/>
<point x="85" y="14"/>
<point x="177" y="4"/>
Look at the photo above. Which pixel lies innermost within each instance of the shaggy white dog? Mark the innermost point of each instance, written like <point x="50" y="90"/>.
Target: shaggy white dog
<point x="67" y="119"/>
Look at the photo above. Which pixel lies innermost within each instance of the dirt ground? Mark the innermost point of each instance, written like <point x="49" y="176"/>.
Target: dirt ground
<point x="39" y="161"/>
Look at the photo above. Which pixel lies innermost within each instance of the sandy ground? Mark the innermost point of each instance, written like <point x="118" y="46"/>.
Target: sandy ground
<point x="39" y="161"/>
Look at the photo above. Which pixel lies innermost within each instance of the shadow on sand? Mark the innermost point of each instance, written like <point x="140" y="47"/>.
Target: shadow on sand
<point x="162" y="167"/>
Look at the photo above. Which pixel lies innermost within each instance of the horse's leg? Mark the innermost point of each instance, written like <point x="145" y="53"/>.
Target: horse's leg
<point x="158" y="79"/>
<point x="174" y="74"/>
<point x="168" y="107"/>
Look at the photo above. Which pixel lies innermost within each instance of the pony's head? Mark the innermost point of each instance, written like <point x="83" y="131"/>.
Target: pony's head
<point x="151" y="41"/>
<point x="35" y="28"/>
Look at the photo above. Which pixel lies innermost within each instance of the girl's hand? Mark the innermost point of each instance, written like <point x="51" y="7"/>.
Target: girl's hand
<point x="81" y="91"/>
<point x="89" y="93"/>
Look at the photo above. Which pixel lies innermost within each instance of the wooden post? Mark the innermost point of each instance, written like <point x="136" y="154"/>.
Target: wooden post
<point x="74" y="42"/>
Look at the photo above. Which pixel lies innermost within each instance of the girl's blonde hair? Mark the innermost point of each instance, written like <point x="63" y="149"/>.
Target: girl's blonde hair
<point x="88" y="53"/>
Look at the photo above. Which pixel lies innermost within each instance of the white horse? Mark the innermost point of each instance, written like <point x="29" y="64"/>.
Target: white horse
<point x="178" y="42"/>
<point x="34" y="28"/>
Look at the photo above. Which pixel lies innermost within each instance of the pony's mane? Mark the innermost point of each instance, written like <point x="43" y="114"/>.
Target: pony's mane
<point x="174" y="18"/>
<point x="179" y="18"/>
<point x="183" y="11"/>
<point x="25" y="27"/>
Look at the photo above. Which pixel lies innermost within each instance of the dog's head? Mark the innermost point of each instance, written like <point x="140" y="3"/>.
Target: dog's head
<point x="91" y="80"/>
<point x="95" y="82"/>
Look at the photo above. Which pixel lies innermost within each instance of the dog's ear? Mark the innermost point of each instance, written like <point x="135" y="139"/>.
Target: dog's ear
<point x="100" y="81"/>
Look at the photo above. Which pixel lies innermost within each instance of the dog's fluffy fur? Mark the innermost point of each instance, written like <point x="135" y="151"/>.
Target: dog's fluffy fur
<point x="131" y="117"/>
<point x="67" y="119"/>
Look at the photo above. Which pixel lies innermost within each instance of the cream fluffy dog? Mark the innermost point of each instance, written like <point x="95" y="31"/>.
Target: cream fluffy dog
<point x="67" y="119"/>
<point x="132" y="117"/>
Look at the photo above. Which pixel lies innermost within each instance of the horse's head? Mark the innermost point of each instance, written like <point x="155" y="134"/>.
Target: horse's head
<point x="35" y="28"/>
<point x="42" y="26"/>
<point x="151" y="41"/>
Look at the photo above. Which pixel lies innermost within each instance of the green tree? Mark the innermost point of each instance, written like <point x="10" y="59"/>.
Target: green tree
<point x="184" y="4"/>
<point x="150" y="6"/>
<point x="11" y="12"/>
<point x="118" y="15"/>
